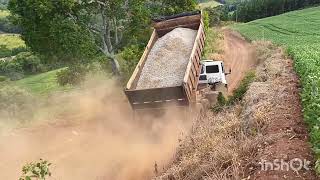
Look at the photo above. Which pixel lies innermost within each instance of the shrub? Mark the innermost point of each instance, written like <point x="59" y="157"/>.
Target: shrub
<point x="72" y="75"/>
<point x="30" y="63"/>
<point x="216" y="15"/>
<point x="131" y="56"/>
<point x="237" y="93"/>
<point x="221" y="103"/>
<point x="242" y="89"/>
<point x="7" y="26"/>
<point x="23" y="64"/>
<point x="36" y="170"/>
<point x="16" y="103"/>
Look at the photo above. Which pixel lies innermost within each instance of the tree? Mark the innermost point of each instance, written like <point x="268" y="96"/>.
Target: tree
<point x="170" y="7"/>
<point x="50" y="29"/>
<point x="71" y="30"/>
<point x="111" y="20"/>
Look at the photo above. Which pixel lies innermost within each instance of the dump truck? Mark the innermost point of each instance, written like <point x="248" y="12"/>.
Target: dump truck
<point x="183" y="94"/>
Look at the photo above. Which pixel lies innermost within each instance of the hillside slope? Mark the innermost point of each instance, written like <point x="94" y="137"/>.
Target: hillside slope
<point x="299" y="33"/>
<point x="238" y="142"/>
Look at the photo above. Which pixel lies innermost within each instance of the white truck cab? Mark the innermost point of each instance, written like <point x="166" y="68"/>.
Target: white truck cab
<point x="213" y="72"/>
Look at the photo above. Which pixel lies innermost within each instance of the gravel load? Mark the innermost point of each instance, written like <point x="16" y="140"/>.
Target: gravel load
<point x="168" y="59"/>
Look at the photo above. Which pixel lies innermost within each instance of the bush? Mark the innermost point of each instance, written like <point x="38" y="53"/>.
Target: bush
<point x="7" y="26"/>
<point x="23" y="64"/>
<point x="221" y="103"/>
<point x="30" y="63"/>
<point x="74" y="75"/>
<point x="216" y="15"/>
<point x="15" y="103"/>
<point x="242" y="89"/>
<point x="36" y="170"/>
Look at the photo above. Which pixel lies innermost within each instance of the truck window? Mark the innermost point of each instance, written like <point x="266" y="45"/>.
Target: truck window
<point x="212" y="69"/>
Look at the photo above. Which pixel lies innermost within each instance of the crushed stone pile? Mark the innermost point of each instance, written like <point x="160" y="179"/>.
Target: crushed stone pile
<point x="168" y="59"/>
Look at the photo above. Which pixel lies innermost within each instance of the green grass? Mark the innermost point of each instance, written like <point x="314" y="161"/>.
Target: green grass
<point x="209" y="4"/>
<point x="299" y="33"/>
<point x="43" y="84"/>
<point x="11" y="45"/>
<point x="11" y="41"/>
<point x="4" y="14"/>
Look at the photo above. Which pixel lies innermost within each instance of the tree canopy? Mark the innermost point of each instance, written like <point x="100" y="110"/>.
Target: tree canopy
<point x="69" y="30"/>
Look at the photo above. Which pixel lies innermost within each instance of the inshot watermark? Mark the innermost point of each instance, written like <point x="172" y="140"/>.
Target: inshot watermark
<point x="295" y="164"/>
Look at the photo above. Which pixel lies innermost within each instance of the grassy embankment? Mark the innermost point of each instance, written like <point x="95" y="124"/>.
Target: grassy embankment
<point x="208" y="4"/>
<point x="42" y="84"/>
<point x="299" y="33"/>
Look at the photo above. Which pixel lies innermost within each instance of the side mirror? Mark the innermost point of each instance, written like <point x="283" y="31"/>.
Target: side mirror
<point x="228" y="72"/>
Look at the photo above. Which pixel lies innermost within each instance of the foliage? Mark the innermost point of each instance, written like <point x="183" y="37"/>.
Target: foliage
<point x="217" y="14"/>
<point x="4" y="14"/>
<point x="3" y="4"/>
<point x="15" y="103"/>
<point x="221" y="103"/>
<point x="171" y="7"/>
<point x="50" y="29"/>
<point x="256" y="9"/>
<point x="242" y="89"/>
<point x="206" y="21"/>
<point x="130" y="58"/>
<point x="211" y="43"/>
<point x="36" y="170"/>
<point x="73" y="75"/>
<point x="30" y="63"/>
<point x="24" y="63"/>
<point x="11" y="45"/>
<point x="237" y="95"/>
<point x="5" y="23"/>
<point x="299" y="31"/>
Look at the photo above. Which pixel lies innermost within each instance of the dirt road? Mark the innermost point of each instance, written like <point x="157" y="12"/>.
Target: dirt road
<point x="100" y="142"/>
<point x="239" y="55"/>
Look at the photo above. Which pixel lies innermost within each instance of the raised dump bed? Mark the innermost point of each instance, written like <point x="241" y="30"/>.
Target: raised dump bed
<point x="168" y="71"/>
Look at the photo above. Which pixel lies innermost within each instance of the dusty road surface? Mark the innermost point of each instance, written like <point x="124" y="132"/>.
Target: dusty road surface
<point x="100" y="142"/>
<point x="239" y="55"/>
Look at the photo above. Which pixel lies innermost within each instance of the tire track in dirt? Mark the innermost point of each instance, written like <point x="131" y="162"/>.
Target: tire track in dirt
<point x="239" y="55"/>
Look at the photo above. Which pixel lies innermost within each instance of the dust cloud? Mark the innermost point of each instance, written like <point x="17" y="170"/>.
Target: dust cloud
<point x="91" y="134"/>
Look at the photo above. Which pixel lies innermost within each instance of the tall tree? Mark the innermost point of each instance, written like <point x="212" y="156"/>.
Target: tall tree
<point x="49" y="29"/>
<point x="110" y="20"/>
<point x="76" y="30"/>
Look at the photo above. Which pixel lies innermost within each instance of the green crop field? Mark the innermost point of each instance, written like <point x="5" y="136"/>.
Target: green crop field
<point x="299" y="32"/>
<point x="41" y="83"/>
<point x="208" y="4"/>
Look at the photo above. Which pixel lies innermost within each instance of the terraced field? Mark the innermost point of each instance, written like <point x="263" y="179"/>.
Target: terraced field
<point x="299" y="33"/>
